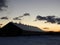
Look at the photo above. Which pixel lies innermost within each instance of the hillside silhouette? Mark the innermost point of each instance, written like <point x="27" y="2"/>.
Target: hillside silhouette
<point x="12" y="29"/>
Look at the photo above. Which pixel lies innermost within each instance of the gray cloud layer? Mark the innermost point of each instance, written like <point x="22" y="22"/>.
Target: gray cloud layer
<point x="51" y="19"/>
<point x="2" y="4"/>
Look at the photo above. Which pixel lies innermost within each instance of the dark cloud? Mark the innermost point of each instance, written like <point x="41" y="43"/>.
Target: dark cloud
<point x="58" y="23"/>
<point x="16" y="18"/>
<point x="57" y="19"/>
<point x="26" y="14"/>
<point x="3" y="4"/>
<point x="19" y="17"/>
<point x="51" y="19"/>
<point x="5" y="18"/>
<point x="40" y="18"/>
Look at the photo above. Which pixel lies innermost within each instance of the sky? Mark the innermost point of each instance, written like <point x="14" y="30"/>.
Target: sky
<point x="34" y="8"/>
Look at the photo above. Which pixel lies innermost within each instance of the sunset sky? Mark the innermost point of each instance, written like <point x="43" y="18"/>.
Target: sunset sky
<point x="43" y="8"/>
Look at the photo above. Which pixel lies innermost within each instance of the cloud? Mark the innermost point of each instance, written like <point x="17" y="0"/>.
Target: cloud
<point x="5" y="18"/>
<point x="20" y="16"/>
<point x="57" y="19"/>
<point x="51" y="19"/>
<point x="26" y="14"/>
<point x="2" y="4"/>
<point x="45" y="28"/>
<point x="16" y="18"/>
<point x="40" y="18"/>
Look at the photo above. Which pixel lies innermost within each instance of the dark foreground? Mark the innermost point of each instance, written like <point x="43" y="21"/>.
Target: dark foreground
<point x="28" y="33"/>
<point x="30" y="40"/>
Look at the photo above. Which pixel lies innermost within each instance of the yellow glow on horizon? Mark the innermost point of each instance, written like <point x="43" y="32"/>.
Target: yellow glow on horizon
<point x="41" y="25"/>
